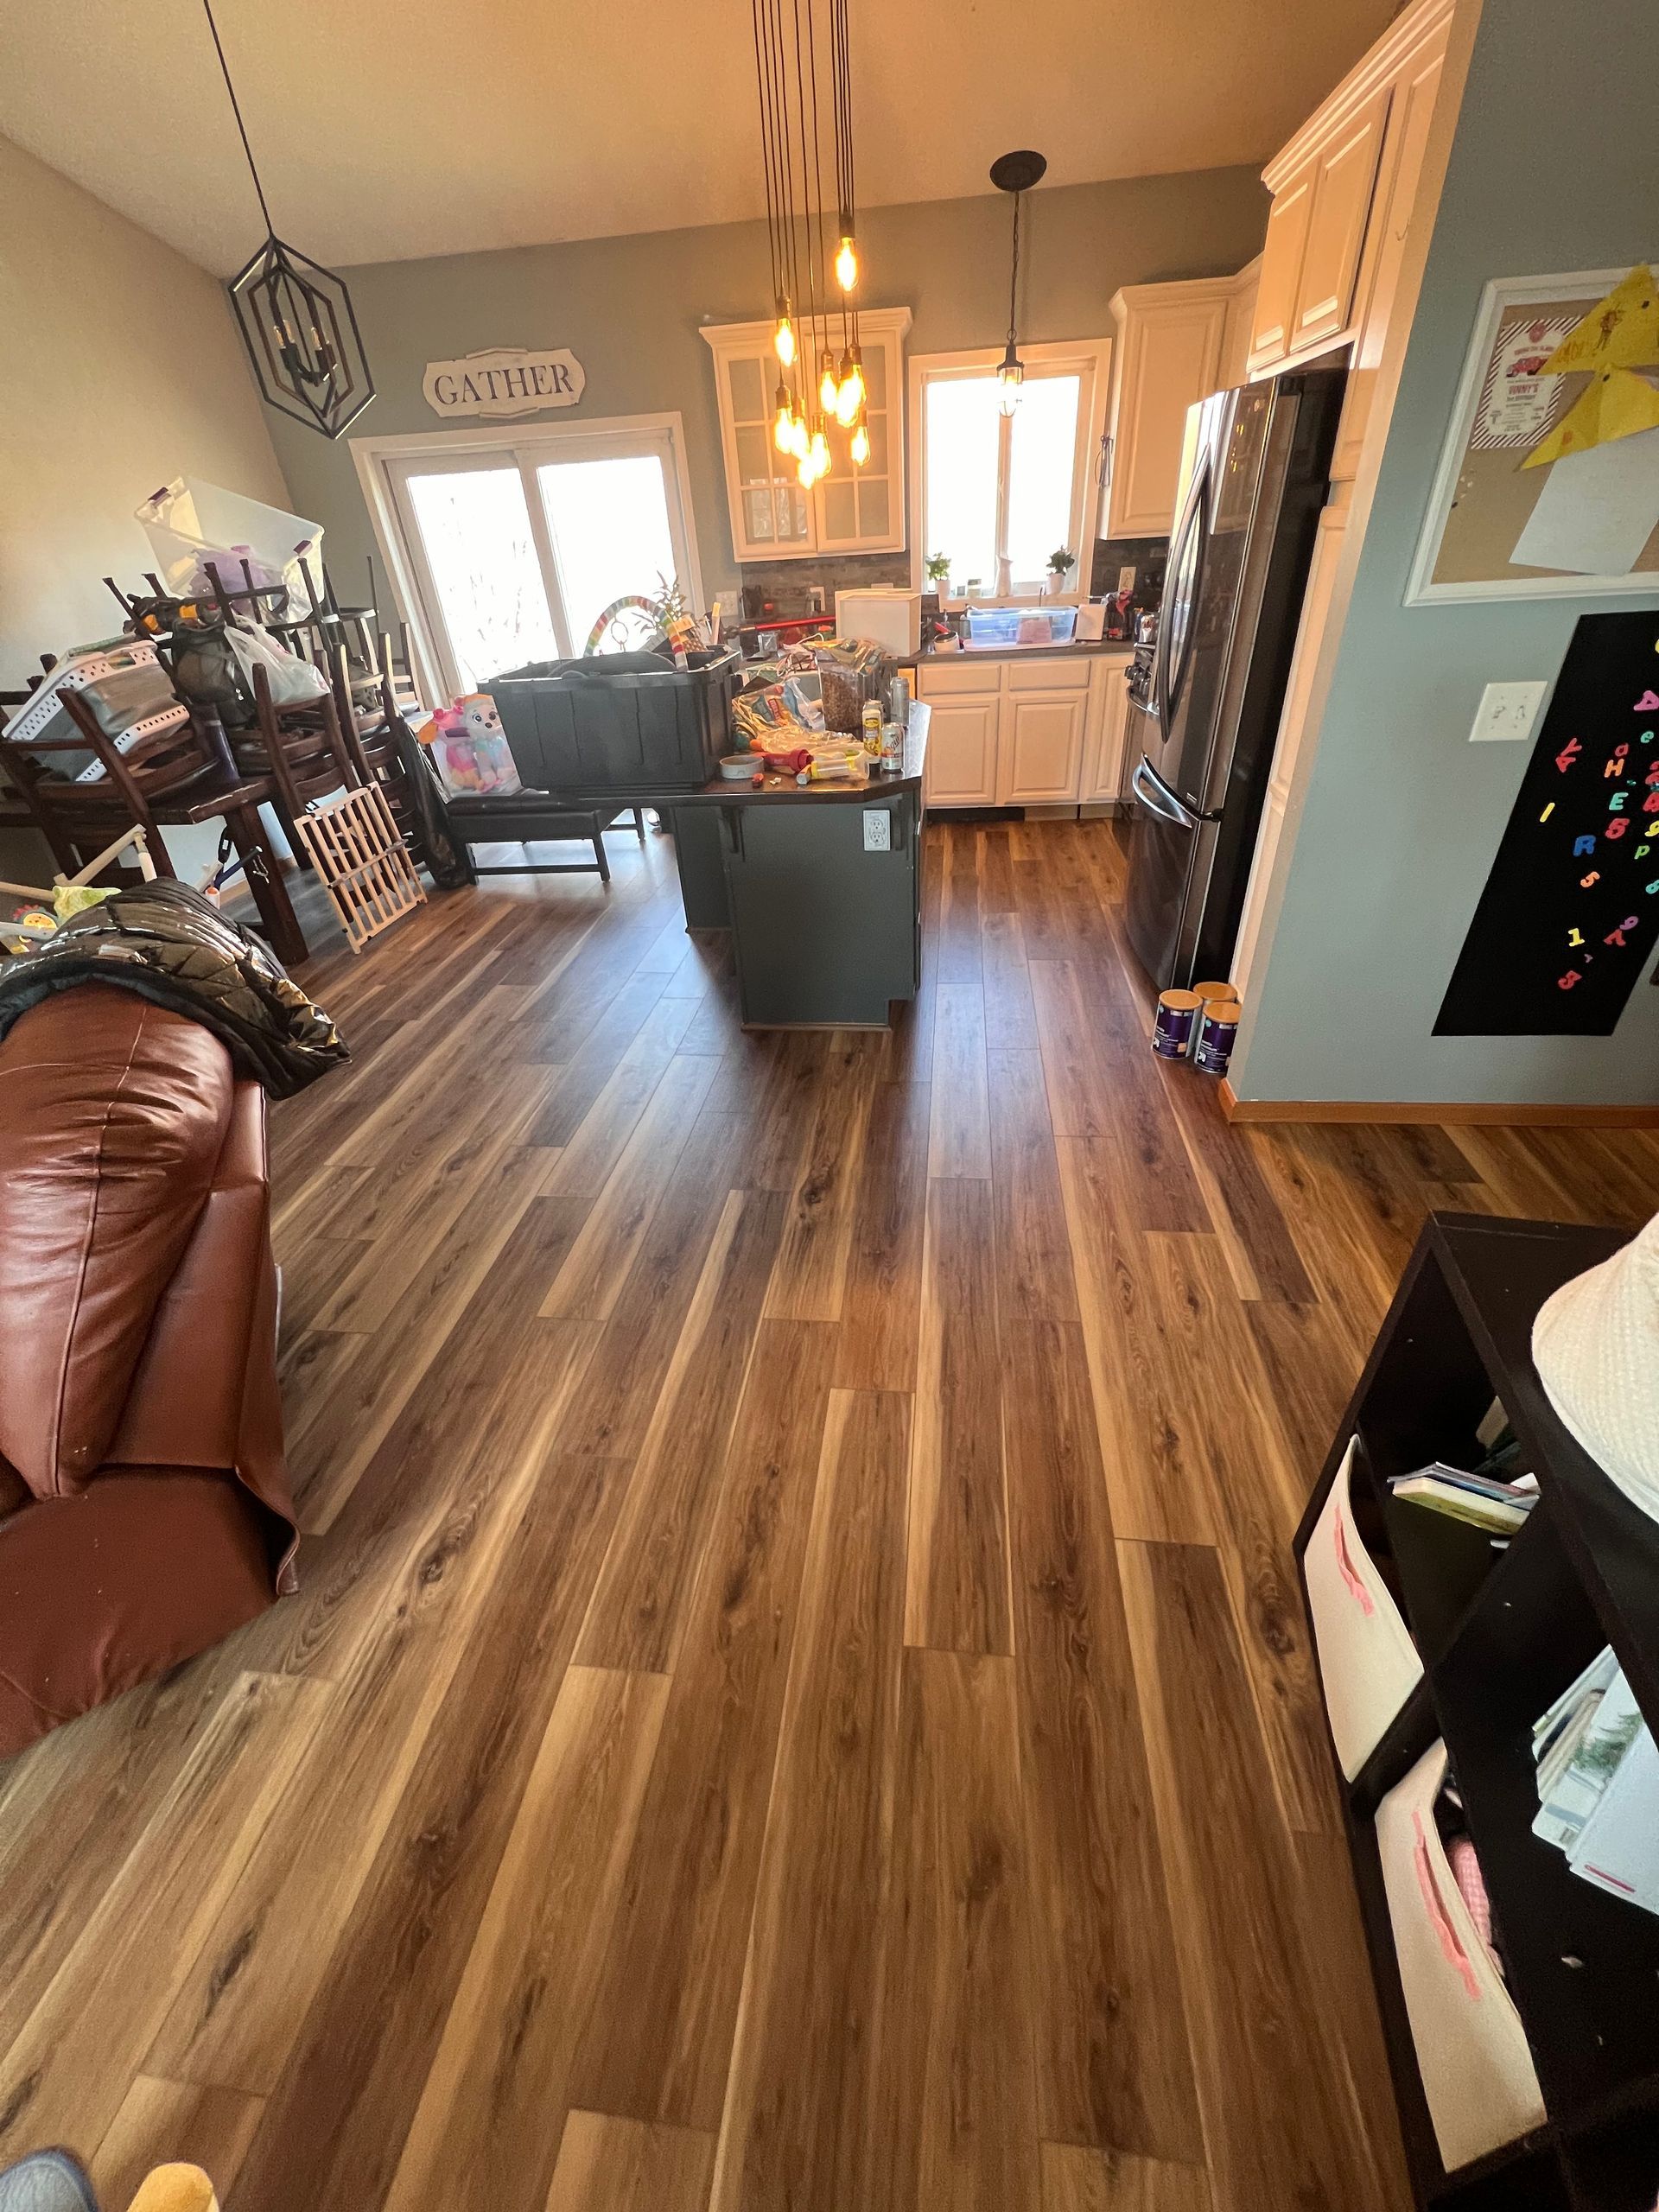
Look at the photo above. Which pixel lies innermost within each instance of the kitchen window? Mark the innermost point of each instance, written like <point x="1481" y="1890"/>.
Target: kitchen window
<point x="507" y="544"/>
<point x="998" y="494"/>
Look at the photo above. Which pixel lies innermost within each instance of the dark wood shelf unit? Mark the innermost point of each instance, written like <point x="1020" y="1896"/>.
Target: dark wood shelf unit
<point x="1501" y="1633"/>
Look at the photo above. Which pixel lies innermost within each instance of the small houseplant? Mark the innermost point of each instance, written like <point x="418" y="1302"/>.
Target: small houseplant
<point x="1061" y="563"/>
<point x="936" y="569"/>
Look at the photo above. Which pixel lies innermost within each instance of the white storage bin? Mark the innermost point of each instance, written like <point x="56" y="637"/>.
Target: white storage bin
<point x="1368" y="1662"/>
<point x="1478" y="2073"/>
<point x="891" y="616"/>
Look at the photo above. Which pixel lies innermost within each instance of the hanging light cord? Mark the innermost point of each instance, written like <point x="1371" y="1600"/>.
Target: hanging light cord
<point x="236" y="110"/>
<point x="1014" y="269"/>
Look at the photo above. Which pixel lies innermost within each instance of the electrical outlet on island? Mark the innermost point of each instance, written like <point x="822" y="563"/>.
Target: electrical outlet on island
<point x="878" y="829"/>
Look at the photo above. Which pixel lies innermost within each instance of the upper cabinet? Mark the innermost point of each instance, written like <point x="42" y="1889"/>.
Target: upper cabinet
<point x="851" y="510"/>
<point x="1344" y="178"/>
<point x="1169" y="354"/>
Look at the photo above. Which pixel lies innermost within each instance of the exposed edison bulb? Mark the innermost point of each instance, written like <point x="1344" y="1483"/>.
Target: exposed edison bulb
<point x="828" y="387"/>
<point x="860" y="448"/>
<point x="820" y="453"/>
<point x="852" y="394"/>
<point x="847" y="262"/>
<point x="804" y="470"/>
<point x="799" y="442"/>
<point x="783" y="340"/>
<point x="781" y="423"/>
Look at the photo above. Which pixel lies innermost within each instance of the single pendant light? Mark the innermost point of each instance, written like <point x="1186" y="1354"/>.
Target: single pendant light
<point x="297" y="318"/>
<point x="1015" y="174"/>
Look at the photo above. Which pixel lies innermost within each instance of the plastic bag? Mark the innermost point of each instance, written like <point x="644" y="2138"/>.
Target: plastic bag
<point x="189" y="523"/>
<point x="292" y="681"/>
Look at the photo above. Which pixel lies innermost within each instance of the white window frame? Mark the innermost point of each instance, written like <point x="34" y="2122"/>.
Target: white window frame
<point x="381" y="461"/>
<point x="1091" y="360"/>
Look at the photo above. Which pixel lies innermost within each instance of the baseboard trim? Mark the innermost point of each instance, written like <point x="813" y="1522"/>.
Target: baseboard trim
<point x="1392" y="1109"/>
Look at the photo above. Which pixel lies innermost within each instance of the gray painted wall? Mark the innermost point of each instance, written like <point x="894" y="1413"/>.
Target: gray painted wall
<point x="630" y="308"/>
<point x="1554" y="166"/>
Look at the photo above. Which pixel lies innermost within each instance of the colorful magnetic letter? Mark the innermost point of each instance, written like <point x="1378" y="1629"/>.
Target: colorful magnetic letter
<point x="1568" y="754"/>
<point x="1584" y="881"/>
<point x="1647" y="703"/>
<point x="1566" y="982"/>
<point x="1618" y="825"/>
<point x="1583" y="845"/>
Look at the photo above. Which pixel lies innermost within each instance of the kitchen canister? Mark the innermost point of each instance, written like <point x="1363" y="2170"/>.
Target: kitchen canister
<point x="1171" y="1030"/>
<point x="1212" y="1048"/>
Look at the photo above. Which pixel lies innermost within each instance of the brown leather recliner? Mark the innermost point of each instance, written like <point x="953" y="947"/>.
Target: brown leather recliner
<point x="144" y="1506"/>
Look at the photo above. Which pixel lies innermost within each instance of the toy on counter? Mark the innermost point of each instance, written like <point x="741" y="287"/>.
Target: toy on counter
<point x="469" y="748"/>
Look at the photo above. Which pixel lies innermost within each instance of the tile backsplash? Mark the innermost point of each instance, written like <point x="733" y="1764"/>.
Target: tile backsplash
<point x="1147" y="557"/>
<point x="787" y="583"/>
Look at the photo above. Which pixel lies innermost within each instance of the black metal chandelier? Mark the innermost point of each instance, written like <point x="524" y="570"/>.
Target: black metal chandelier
<point x="296" y="317"/>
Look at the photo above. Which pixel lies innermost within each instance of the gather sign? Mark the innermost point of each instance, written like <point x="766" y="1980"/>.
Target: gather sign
<point x="504" y="380"/>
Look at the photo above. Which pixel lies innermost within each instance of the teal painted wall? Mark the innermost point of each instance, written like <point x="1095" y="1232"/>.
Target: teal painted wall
<point x="1555" y="167"/>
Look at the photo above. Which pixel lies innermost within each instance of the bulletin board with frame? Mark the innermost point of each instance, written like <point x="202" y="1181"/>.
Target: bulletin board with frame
<point x="1485" y="505"/>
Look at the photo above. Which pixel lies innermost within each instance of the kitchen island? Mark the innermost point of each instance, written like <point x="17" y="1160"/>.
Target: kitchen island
<point x="819" y="884"/>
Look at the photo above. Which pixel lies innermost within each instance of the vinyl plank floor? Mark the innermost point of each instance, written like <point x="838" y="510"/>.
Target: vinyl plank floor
<point x="797" y="1699"/>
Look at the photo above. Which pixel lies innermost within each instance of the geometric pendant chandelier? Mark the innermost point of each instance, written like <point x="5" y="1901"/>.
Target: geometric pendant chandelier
<point x="820" y="368"/>
<point x="297" y="318"/>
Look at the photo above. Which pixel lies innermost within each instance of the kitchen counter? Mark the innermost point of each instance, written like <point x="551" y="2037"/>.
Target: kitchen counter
<point x="930" y="656"/>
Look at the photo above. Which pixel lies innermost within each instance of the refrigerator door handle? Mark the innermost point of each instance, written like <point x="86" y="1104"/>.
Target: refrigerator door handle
<point x="1157" y="798"/>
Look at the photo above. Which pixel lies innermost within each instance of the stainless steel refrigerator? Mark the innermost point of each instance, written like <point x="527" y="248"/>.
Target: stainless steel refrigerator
<point x="1202" y="741"/>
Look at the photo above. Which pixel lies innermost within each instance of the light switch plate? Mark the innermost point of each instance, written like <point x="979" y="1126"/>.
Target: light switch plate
<point x="1507" y="711"/>
<point x="878" y="829"/>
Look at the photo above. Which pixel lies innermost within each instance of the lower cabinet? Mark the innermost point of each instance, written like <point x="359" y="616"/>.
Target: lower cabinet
<point x="961" y="752"/>
<point x="1039" y="749"/>
<point x="1038" y="733"/>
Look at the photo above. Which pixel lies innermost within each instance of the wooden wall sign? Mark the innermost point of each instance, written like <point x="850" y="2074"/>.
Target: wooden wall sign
<point x="1571" y="909"/>
<point x="504" y="380"/>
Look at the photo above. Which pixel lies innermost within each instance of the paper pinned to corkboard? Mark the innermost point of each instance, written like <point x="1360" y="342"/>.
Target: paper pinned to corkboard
<point x="1547" y="352"/>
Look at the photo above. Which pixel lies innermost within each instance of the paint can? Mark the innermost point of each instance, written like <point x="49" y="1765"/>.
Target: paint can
<point x="1172" y="1029"/>
<point x="1217" y="1027"/>
<point x="1213" y="993"/>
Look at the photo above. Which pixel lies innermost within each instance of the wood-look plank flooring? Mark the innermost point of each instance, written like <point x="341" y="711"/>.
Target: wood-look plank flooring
<point x="799" y="1697"/>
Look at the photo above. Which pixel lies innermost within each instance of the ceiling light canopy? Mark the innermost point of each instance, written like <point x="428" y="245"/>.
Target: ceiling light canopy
<point x="789" y="59"/>
<point x="296" y="317"/>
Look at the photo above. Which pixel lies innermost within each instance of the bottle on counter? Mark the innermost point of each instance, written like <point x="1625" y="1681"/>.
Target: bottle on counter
<point x="871" y="718"/>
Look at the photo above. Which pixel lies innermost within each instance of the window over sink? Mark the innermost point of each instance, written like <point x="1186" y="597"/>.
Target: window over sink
<point x="998" y="494"/>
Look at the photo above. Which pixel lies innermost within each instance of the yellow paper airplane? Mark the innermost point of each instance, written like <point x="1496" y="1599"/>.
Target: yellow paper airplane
<point x="1621" y="332"/>
<point x="1614" y="404"/>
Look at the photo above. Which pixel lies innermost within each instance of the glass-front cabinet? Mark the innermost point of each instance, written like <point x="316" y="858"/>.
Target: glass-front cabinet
<point x="851" y="510"/>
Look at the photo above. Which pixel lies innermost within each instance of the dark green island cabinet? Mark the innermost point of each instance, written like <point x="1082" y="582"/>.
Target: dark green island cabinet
<point x="820" y="886"/>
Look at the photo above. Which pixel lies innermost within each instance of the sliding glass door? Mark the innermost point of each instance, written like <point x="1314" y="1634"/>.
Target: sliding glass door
<point x="511" y="546"/>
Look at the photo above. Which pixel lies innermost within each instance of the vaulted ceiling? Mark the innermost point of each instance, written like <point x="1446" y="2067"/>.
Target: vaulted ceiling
<point x="391" y="129"/>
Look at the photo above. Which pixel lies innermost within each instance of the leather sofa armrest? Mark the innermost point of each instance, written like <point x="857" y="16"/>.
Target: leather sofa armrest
<point x="185" y="1407"/>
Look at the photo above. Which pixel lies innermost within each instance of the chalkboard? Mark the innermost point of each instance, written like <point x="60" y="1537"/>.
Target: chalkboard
<point x="1571" y="909"/>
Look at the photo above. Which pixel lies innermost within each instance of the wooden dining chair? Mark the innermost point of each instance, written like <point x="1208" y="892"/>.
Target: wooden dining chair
<point x="170" y="778"/>
<point x="299" y="746"/>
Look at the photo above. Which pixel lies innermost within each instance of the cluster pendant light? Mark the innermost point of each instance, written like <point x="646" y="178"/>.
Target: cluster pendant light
<point x="821" y="371"/>
<point x="296" y="317"/>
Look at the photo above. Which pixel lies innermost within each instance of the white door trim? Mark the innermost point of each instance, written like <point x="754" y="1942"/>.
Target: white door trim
<point x="596" y="434"/>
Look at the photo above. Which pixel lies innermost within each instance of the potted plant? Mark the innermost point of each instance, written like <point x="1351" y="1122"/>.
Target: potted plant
<point x="1061" y="563"/>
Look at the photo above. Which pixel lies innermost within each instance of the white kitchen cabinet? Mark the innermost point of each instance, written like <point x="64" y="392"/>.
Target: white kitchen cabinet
<point x="1105" y="765"/>
<point x="1234" y="364"/>
<point x="1342" y="189"/>
<point x="851" y="510"/>
<point x="1281" y="269"/>
<point x="1344" y="169"/>
<point x="1168" y="355"/>
<point x="962" y="750"/>
<point x="1040" y="748"/>
<point x="1044" y="732"/>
